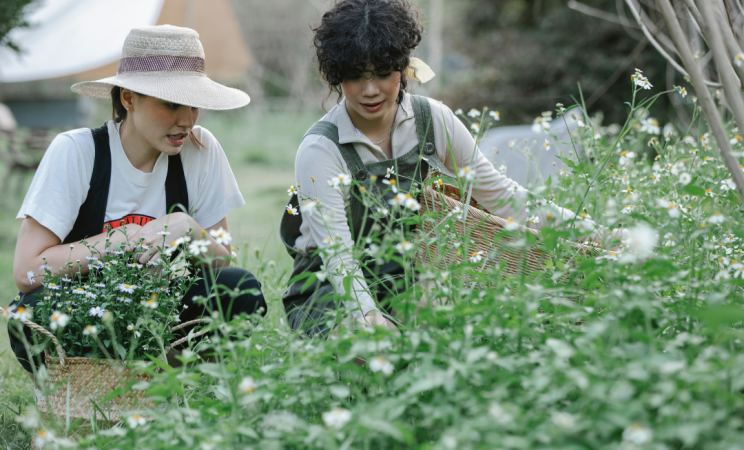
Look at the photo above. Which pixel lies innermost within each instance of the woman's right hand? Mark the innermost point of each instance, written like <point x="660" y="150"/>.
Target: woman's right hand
<point x="377" y="319"/>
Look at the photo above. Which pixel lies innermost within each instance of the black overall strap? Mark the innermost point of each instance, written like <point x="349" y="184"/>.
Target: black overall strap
<point x="176" y="191"/>
<point x="92" y="214"/>
<point x="424" y="124"/>
<point x="348" y="152"/>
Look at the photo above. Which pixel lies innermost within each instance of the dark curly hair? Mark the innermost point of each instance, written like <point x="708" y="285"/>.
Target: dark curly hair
<point x="355" y="33"/>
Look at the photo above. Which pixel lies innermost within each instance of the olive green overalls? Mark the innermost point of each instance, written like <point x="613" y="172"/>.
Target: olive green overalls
<point x="309" y="307"/>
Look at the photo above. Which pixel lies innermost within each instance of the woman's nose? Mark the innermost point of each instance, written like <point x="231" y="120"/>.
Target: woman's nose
<point x="370" y="88"/>
<point x="187" y="116"/>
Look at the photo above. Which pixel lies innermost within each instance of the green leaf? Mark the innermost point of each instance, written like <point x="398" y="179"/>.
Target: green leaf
<point x="694" y="190"/>
<point x="121" y="350"/>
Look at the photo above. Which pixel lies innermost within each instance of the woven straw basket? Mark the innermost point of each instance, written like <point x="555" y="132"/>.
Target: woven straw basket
<point x="79" y="385"/>
<point x="481" y="227"/>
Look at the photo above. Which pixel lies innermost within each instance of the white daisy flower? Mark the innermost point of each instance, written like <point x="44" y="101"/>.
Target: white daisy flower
<point x="411" y="203"/>
<point x="136" y="420"/>
<point x="637" y="434"/>
<point x="511" y="224"/>
<point x="627" y="209"/>
<point x="291" y="191"/>
<point x="404" y="247"/>
<point x="128" y="288"/>
<point x="151" y="303"/>
<point x="177" y="243"/>
<point x="467" y="173"/>
<point x="163" y="233"/>
<point x="671" y="207"/>
<point x="716" y="218"/>
<point x="495" y="115"/>
<point x="389" y="171"/>
<point x="739" y="59"/>
<point x="640" y="81"/>
<point x="292" y="211"/>
<point x="669" y="240"/>
<point x="221" y="236"/>
<point x="337" y="417"/>
<point x="477" y="256"/>
<point x="199" y="247"/>
<point x="247" y="385"/>
<point x="380" y="364"/>
<point x="728" y="185"/>
<point x="546" y="145"/>
<point x="52" y="286"/>
<point x="309" y="206"/>
<point x="57" y="319"/>
<point x="96" y="311"/>
<point x="685" y="178"/>
<point x="474" y="113"/>
<point x="30" y="275"/>
<point x="392" y="183"/>
<point x="90" y="330"/>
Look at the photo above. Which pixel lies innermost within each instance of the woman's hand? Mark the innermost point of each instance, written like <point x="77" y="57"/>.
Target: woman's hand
<point x="377" y="319"/>
<point x="163" y="232"/>
<point x="179" y="225"/>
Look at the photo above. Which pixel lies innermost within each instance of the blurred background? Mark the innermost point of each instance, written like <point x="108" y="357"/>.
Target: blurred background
<point x="518" y="57"/>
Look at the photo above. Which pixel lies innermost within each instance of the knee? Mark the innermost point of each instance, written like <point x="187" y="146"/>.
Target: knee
<point x="250" y="298"/>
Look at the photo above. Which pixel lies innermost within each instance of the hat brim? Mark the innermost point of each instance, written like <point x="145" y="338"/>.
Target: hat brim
<point x="184" y="88"/>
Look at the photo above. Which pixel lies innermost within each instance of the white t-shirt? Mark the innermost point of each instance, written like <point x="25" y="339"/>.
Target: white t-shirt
<point x="61" y="183"/>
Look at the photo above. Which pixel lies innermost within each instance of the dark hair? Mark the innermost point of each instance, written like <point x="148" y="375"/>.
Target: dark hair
<point x="355" y="33"/>
<point x="119" y="113"/>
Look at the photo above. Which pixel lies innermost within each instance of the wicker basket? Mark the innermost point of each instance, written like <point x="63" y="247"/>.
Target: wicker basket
<point x="81" y="384"/>
<point x="481" y="227"/>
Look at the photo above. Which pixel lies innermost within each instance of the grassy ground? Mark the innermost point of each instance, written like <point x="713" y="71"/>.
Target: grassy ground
<point x="261" y="146"/>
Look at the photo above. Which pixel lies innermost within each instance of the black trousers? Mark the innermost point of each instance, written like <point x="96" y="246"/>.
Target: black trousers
<point x="228" y="278"/>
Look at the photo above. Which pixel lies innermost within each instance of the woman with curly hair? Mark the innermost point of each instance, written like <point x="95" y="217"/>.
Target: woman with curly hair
<point x="363" y="49"/>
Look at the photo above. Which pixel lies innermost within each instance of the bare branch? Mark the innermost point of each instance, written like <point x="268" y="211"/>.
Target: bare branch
<point x="659" y="48"/>
<point x="598" y="13"/>
<point x="706" y="100"/>
<point x="626" y="23"/>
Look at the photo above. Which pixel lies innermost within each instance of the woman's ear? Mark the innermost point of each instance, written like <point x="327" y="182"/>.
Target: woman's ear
<point x="127" y="98"/>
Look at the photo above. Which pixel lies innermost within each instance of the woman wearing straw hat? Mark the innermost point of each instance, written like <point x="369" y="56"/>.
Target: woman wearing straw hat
<point x="149" y="168"/>
<point x="363" y="48"/>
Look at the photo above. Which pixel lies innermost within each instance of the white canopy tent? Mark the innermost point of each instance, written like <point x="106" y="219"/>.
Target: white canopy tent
<point x="72" y="36"/>
<point x="81" y="40"/>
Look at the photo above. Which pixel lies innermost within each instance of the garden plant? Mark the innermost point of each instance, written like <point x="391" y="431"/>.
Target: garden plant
<point x="633" y="345"/>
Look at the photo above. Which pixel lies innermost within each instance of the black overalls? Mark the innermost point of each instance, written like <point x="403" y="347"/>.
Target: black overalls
<point x="90" y="222"/>
<point x="309" y="307"/>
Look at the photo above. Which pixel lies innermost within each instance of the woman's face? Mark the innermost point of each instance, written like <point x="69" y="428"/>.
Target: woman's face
<point x="372" y="96"/>
<point x="163" y="125"/>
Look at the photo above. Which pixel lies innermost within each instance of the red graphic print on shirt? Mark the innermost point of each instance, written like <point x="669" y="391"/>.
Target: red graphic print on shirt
<point x="136" y="219"/>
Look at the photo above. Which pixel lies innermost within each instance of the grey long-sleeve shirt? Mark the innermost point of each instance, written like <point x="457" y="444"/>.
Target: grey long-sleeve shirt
<point x="319" y="158"/>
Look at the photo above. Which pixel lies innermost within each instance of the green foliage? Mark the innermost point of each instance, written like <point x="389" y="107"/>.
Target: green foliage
<point x="12" y="14"/>
<point x="634" y="346"/>
<point x="120" y="309"/>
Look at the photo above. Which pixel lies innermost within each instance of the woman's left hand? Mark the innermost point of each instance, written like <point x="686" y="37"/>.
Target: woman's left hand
<point x="163" y="232"/>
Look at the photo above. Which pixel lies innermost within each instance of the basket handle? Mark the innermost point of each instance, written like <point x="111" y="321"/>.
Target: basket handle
<point x="186" y="338"/>
<point x="190" y="322"/>
<point x="61" y="352"/>
<point x="45" y="332"/>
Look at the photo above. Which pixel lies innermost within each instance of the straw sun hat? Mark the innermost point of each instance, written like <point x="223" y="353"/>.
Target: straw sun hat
<point x="166" y="62"/>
